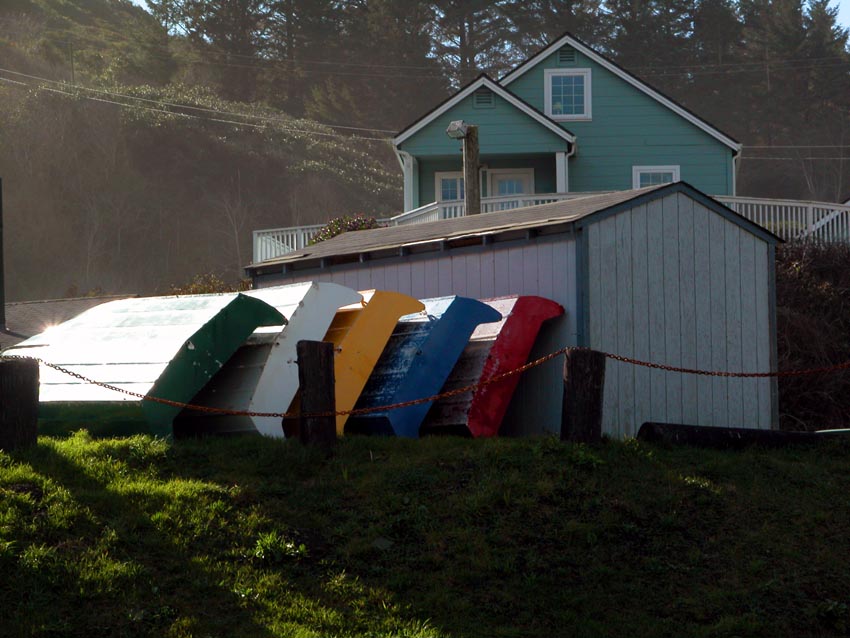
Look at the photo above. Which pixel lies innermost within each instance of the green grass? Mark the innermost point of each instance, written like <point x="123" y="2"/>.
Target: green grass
<point x="438" y="537"/>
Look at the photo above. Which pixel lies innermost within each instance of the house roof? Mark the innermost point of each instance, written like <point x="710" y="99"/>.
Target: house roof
<point x="25" y="319"/>
<point x="483" y="81"/>
<point x="619" y="71"/>
<point x="400" y="240"/>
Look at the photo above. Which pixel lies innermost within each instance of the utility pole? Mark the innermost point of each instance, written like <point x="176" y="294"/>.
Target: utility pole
<point x="470" y="171"/>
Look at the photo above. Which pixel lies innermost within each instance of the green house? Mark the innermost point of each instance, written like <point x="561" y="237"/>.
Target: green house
<point x="567" y="120"/>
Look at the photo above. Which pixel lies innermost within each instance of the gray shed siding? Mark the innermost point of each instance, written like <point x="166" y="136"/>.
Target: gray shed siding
<point x="543" y="266"/>
<point x="672" y="282"/>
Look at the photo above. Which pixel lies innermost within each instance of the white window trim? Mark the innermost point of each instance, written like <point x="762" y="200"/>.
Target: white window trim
<point x="438" y="191"/>
<point x="548" y="74"/>
<point x="637" y="170"/>
<point x="527" y="173"/>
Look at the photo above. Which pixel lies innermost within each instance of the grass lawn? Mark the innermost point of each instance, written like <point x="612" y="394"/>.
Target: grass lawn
<point x="438" y="537"/>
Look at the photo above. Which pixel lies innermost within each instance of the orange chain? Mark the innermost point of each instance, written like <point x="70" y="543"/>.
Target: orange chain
<point x="450" y="393"/>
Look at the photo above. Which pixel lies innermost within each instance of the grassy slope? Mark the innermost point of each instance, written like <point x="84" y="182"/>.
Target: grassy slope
<point x="438" y="537"/>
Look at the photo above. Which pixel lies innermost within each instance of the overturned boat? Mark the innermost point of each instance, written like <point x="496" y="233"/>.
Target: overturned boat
<point x="416" y="362"/>
<point x="262" y="376"/>
<point x="164" y="347"/>
<point x="493" y="350"/>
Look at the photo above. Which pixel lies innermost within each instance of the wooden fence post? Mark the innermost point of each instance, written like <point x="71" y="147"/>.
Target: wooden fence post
<point x="584" y="383"/>
<point x="18" y="403"/>
<point x="316" y="380"/>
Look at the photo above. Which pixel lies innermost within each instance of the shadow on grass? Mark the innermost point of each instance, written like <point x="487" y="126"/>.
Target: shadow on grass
<point x="114" y="571"/>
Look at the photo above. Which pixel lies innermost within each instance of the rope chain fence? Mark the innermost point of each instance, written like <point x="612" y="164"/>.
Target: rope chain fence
<point x="443" y="395"/>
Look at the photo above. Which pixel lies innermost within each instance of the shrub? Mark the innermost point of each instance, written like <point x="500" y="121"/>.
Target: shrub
<point x="343" y="224"/>
<point x="209" y="283"/>
<point x="813" y="331"/>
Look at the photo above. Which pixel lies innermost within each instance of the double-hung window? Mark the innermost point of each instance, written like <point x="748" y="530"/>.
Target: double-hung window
<point x="643" y="176"/>
<point x="567" y="94"/>
<point x="449" y="187"/>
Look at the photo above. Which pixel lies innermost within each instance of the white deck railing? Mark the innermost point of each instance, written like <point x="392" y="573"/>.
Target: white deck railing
<point x="275" y="242"/>
<point x="794" y="219"/>
<point x="790" y="219"/>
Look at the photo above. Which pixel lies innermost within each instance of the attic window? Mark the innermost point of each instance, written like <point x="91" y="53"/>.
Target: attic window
<point x="482" y="99"/>
<point x="567" y="93"/>
<point x="566" y="55"/>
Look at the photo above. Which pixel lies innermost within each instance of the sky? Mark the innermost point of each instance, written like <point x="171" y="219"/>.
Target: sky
<point x="843" y="10"/>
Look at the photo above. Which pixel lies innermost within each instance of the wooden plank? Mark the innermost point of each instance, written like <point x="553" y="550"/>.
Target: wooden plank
<point x="391" y="278"/>
<point x="444" y="276"/>
<point x="487" y="272"/>
<point x="432" y="280"/>
<point x="733" y="324"/>
<point x="655" y="285"/>
<point x="19" y="406"/>
<point x="687" y="305"/>
<point x="473" y="276"/>
<point x="516" y="269"/>
<point x="640" y="305"/>
<point x="625" y="325"/>
<point x="417" y="280"/>
<point x="530" y="283"/>
<point x="545" y="273"/>
<point x="749" y="331"/>
<point x="717" y="276"/>
<point x="501" y="281"/>
<point x="594" y="293"/>
<point x="763" y="327"/>
<point x="702" y="301"/>
<point x="316" y="380"/>
<point x="608" y="335"/>
<point x="672" y="317"/>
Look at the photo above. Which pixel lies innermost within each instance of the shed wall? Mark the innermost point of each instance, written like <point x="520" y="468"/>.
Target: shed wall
<point x="544" y="266"/>
<point x="672" y="282"/>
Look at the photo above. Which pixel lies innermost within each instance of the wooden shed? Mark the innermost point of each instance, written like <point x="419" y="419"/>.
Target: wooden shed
<point x="663" y="274"/>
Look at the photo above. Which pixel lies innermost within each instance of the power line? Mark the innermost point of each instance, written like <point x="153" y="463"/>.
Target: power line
<point x="162" y="103"/>
<point x="196" y="117"/>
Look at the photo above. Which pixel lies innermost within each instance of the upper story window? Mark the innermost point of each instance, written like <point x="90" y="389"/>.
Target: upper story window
<point x="567" y="94"/>
<point x="643" y="176"/>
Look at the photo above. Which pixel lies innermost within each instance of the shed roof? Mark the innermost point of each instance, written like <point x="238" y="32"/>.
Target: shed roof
<point x="25" y="319"/>
<point x="574" y="212"/>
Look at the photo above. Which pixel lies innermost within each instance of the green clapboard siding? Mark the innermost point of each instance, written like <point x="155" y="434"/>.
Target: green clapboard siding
<point x="502" y="129"/>
<point x="629" y="129"/>
<point x="543" y="165"/>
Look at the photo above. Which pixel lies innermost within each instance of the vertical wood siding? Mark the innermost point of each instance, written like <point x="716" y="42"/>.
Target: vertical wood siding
<point x="544" y="266"/>
<point x="674" y="283"/>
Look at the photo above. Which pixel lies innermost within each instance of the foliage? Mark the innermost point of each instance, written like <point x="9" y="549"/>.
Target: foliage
<point x="813" y="331"/>
<point x="344" y="224"/>
<point x="209" y="283"/>
<point x="432" y="538"/>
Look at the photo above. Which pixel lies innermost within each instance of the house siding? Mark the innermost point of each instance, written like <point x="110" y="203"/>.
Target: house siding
<point x="502" y="129"/>
<point x="544" y="172"/>
<point x="673" y="283"/>
<point x="629" y="128"/>
<point x="543" y="266"/>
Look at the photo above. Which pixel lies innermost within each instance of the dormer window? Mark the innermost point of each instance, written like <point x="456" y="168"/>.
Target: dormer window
<point x="567" y="94"/>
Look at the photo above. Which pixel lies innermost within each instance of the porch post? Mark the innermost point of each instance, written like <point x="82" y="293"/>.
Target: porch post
<point x="410" y="169"/>
<point x="562" y="174"/>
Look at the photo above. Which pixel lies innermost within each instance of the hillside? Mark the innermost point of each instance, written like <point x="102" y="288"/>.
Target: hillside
<point x="138" y="176"/>
<point x="437" y="537"/>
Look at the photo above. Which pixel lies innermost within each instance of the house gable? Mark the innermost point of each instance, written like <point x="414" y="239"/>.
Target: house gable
<point x="505" y="124"/>
<point x="628" y="128"/>
<point x="578" y="55"/>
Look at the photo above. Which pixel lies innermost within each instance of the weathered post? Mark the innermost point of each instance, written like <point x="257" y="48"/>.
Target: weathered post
<point x="316" y="380"/>
<point x="584" y="383"/>
<point x="470" y="171"/>
<point x="18" y="403"/>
